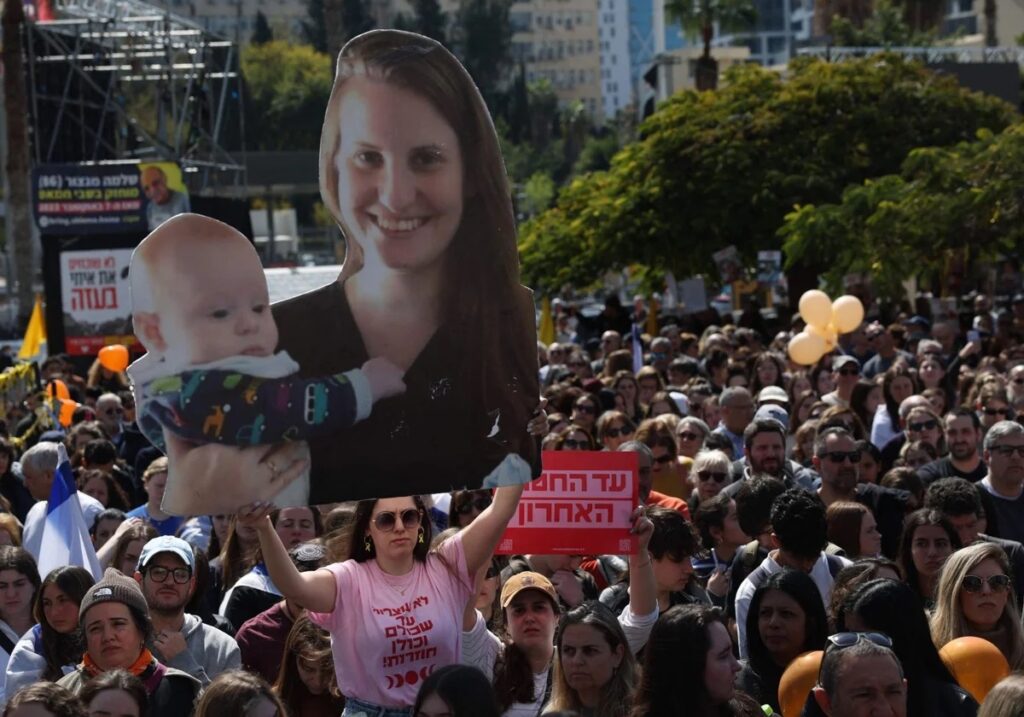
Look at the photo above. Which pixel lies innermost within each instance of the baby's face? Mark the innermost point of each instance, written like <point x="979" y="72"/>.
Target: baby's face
<point x="219" y="307"/>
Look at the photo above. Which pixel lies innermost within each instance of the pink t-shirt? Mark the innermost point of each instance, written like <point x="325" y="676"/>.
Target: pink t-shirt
<point x="389" y="632"/>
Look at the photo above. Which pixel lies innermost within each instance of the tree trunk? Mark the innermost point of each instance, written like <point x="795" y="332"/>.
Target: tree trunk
<point x="17" y="161"/>
<point x="707" y="66"/>
<point x="991" y="37"/>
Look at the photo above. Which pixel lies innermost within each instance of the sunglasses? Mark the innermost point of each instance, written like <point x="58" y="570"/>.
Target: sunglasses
<point x="849" y="372"/>
<point x="996" y="411"/>
<point x="573" y="445"/>
<point x="838" y="457"/>
<point x="923" y="425"/>
<point x="996" y="583"/>
<point x="1007" y="451"/>
<point x="1018" y="381"/>
<point x="667" y="458"/>
<point x="686" y="436"/>
<point x="481" y="504"/>
<point x="708" y="475"/>
<point x="616" y="432"/>
<point x="388" y="519"/>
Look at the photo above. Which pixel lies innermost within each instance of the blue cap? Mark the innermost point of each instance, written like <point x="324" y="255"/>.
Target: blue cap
<point x="775" y="412"/>
<point x="167" y="544"/>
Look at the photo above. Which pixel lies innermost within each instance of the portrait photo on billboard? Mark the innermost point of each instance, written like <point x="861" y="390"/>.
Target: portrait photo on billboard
<point x="166" y="195"/>
<point x="414" y="372"/>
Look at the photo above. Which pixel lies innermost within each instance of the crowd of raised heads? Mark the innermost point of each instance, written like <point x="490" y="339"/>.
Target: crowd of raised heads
<point x="869" y="509"/>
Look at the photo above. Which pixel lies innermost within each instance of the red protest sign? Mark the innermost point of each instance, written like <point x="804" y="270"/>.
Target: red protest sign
<point x="580" y="505"/>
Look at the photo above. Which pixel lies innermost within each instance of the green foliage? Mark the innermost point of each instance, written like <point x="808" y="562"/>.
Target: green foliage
<point x="287" y="87"/>
<point x="885" y="27"/>
<point x="539" y="192"/>
<point x="944" y="203"/>
<point x="314" y="29"/>
<point x="484" y="45"/>
<point x="726" y="167"/>
<point x="699" y="17"/>
<point x="262" y="33"/>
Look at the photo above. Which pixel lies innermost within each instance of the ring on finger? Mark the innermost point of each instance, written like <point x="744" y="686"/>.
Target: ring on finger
<point x="274" y="470"/>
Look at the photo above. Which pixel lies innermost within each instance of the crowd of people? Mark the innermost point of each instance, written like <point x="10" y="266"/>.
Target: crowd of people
<point x="870" y="507"/>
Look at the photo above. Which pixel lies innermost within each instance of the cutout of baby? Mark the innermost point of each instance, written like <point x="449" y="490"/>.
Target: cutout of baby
<point x="200" y="305"/>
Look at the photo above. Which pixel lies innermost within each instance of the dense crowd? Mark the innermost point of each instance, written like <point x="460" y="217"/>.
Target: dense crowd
<point x="870" y="506"/>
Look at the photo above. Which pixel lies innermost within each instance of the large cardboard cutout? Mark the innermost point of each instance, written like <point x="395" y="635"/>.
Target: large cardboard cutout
<point x="414" y="372"/>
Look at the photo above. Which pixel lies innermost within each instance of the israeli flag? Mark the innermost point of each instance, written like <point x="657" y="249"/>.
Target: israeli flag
<point x="65" y="539"/>
<point x="638" y="349"/>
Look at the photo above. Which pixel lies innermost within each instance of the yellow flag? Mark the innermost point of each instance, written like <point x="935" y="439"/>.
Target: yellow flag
<point x="546" y="332"/>
<point x="35" y="334"/>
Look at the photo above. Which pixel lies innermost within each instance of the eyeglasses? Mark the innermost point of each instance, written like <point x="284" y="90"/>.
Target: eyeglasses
<point x="573" y="445"/>
<point x="838" y="457"/>
<point x="708" y="475"/>
<point x="386" y="520"/>
<point x="159" y="574"/>
<point x="616" y="432"/>
<point x="923" y="425"/>
<point x="1007" y="451"/>
<point x="996" y="583"/>
<point x="849" y="372"/>
<point x="996" y="411"/>
<point x="481" y="503"/>
<point x="584" y="408"/>
<point x="842" y="640"/>
<point x="686" y="436"/>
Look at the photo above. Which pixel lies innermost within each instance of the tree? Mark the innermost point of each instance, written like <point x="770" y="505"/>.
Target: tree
<point x="17" y="160"/>
<point x="945" y="204"/>
<point x="726" y="167"/>
<point x="314" y="27"/>
<point x="484" y="45"/>
<point x="287" y="87"/>
<point x="430" y="20"/>
<point x="261" y="33"/>
<point x="699" y="19"/>
<point x="885" y="27"/>
<point x="355" y="19"/>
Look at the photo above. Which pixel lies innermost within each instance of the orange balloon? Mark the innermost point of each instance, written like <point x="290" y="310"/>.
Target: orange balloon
<point x="976" y="664"/>
<point x="114" y="358"/>
<point x="797" y="682"/>
<point x="58" y="389"/>
<point x="67" y="410"/>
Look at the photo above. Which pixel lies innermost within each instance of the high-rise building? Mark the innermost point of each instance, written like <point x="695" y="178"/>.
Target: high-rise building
<point x="557" y="40"/>
<point x="771" y="39"/>
<point x="616" y="76"/>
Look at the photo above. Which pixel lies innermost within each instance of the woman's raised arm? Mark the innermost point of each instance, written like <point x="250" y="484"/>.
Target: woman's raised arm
<point x="316" y="591"/>
<point x="480" y="538"/>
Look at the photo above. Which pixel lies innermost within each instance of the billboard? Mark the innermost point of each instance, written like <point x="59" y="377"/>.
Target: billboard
<point x="95" y="300"/>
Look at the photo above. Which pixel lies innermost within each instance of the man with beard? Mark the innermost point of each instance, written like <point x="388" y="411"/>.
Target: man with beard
<point x="837" y="459"/>
<point x="166" y="573"/>
<point x="1004" y="454"/>
<point x="963" y="436"/>
<point x="765" y="453"/>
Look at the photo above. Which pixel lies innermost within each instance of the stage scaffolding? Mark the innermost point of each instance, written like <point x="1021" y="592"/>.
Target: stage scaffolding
<point x="122" y="81"/>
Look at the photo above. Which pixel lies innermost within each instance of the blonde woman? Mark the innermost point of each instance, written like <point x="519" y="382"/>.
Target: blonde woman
<point x="1005" y="699"/>
<point x="975" y="598"/>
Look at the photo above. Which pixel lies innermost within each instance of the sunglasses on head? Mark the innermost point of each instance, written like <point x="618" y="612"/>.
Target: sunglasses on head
<point x="616" y="432"/>
<point x="924" y="425"/>
<point x="388" y="519"/>
<point x="842" y="640"/>
<point x="996" y="583"/>
<point x="708" y="475"/>
<point x="838" y="457"/>
<point x="480" y="503"/>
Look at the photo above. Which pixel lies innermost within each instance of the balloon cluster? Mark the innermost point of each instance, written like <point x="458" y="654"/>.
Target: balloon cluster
<point x="114" y="358"/>
<point x="826" y="320"/>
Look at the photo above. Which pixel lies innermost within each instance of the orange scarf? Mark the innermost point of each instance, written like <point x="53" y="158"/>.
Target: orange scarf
<point x="144" y="660"/>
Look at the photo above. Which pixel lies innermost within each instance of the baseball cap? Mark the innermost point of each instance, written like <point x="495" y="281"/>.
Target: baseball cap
<point x="167" y="544"/>
<point x="526" y="581"/>
<point x="775" y="413"/>
<point x="845" y="360"/>
<point x="773" y="394"/>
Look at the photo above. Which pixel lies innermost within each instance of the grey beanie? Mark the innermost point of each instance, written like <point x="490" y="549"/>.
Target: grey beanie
<point x="114" y="587"/>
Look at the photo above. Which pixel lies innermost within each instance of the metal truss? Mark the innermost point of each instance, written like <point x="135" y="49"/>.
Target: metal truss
<point x="90" y="71"/>
<point x="928" y="55"/>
